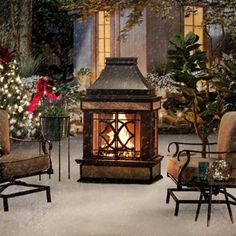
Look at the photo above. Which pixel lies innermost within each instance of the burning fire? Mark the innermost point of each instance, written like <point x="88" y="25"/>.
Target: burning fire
<point x="124" y="138"/>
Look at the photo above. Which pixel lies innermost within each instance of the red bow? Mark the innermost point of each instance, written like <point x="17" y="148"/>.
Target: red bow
<point x="44" y="87"/>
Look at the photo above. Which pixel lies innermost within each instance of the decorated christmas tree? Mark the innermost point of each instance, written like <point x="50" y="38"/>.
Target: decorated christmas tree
<point x="13" y="95"/>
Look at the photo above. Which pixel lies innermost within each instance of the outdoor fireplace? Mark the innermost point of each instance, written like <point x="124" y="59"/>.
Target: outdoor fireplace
<point x="120" y="140"/>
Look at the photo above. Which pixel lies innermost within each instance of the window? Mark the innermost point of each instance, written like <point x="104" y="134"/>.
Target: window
<point x="103" y="43"/>
<point x="193" y="18"/>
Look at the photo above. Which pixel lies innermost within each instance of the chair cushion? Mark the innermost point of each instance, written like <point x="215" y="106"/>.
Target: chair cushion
<point x="174" y="167"/>
<point x="18" y="165"/>
<point x="227" y="137"/>
<point x="4" y="132"/>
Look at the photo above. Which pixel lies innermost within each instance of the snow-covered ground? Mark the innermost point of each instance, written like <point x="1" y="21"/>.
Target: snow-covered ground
<point x="81" y="209"/>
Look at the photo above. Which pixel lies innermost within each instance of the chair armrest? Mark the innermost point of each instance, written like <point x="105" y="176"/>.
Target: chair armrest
<point x="45" y="144"/>
<point x="188" y="152"/>
<point x="177" y="146"/>
<point x="26" y="140"/>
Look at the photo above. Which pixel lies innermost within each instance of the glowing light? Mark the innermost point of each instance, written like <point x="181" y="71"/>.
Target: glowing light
<point x="124" y="138"/>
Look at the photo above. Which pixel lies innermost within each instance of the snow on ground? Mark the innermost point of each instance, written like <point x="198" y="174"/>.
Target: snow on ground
<point x="81" y="209"/>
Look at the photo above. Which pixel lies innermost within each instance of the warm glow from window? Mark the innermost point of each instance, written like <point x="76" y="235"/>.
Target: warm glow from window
<point x="104" y="48"/>
<point x="193" y="18"/>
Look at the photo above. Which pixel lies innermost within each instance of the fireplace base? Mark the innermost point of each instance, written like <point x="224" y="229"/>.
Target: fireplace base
<point x="120" y="171"/>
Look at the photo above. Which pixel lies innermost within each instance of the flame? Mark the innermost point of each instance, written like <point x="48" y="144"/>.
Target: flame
<point x="124" y="136"/>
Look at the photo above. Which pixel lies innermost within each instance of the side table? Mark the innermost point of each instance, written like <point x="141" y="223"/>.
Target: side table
<point x="210" y="187"/>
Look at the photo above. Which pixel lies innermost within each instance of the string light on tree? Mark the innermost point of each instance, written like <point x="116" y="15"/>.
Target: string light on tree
<point x="13" y="96"/>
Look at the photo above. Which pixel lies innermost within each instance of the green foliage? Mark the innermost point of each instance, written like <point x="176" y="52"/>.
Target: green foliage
<point x="52" y="28"/>
<point x="225" y="73"/>
<point x="186" y="59"/>
<point x="175" y="102"/>
<point x="222" y="12"/>
<point x="160" y="69"/>
<point x="70" y="93"/>
<point x="219" y="12"/>
<point x="15" y="26"/>
<point x="53" y="109"/>
<point x="31" y="65"/>
<point x="70" y="96"/>
<point x="187" y="65"/>
<point x="9" y="26"/>
<point x="84" y="71"/>
<point x="87" y="8"/>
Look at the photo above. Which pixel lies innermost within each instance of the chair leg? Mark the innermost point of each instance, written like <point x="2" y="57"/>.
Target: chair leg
<point x="177" y="208"/>
<point x="177" y="202"/>
<point x="48" y="194"/>
<point x="199" y="205"/>
<point x="168" y="196"/>
<point x="228" y="205"/>
<point x="171" y="193"/>
<point x="34" y="188"/>
<point x="5" y="204"/>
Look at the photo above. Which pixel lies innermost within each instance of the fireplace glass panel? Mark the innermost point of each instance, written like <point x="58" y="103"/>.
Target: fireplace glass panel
<point x="116" y="135"/>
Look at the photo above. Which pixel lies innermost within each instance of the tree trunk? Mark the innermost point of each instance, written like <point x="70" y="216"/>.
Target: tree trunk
<point x="25" y="32"/>
<point x="203" y="137"/>
<point x="204" y="145"/>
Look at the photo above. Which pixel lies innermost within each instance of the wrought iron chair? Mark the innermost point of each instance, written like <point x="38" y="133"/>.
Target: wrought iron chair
<point x="183" y="165"/>
<point x="15" y="165"/>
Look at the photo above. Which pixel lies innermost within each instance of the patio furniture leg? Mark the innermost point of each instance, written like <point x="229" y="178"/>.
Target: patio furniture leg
<point x="228" y="205"/>
<point x="209" y="207"/>
<point x="170" y="192"/>
<point x="68" y="156"/>
<point x="199" y="205"/>
<point x="168" y="196"/>
<point x="177" y="208"/>
<point x="48" y="193"/>
<point x="5" y="204"/>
